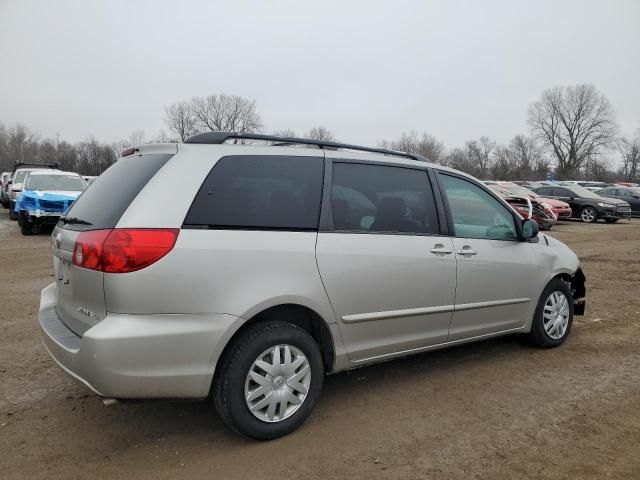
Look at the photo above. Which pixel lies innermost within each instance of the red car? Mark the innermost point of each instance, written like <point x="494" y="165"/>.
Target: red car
<point x="540" y="212"/>
<point x="561" y="210"/>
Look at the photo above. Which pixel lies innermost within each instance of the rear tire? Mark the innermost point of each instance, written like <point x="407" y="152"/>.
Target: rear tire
<point x="12" y="214"/>
<point x="553" y="317"/>
<point x="589" y="215"/>
<point x="611" y="220"/>
<point x="244" y="392"/>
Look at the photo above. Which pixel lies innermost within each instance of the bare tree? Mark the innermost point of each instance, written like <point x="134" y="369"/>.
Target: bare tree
<point x="521" y="159"/>
<point x="180" y="119"/>
<point x="630" y="152"/>
<point x="287" y="132"/>
<point x="320" y="133"/>
<point x="575" y="123"/>
<point x="426" y="145"/>
<point x="480" y="154"/>
<point x="229" y="113"/>
<point x="137" y="137"/>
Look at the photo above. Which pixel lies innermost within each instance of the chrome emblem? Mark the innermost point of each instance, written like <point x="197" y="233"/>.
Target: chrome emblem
<point x="87" y="313"/>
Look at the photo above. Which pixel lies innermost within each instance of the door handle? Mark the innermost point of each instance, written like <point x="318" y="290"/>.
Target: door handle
<point x="440" y="249"/>
<point x="467" y="250"/>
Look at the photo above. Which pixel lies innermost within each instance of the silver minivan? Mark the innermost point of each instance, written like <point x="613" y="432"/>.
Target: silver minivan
<point x="277" y="265"/>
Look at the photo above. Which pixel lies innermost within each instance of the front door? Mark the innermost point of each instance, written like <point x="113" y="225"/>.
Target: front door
<point x="495" y="272"/>
<point x="389" y="275"/>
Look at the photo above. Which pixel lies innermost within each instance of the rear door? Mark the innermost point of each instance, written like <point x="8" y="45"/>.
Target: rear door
<point x="81" y="299"/>
<point x="389" y="274"/>
<point x="496" y="273"/>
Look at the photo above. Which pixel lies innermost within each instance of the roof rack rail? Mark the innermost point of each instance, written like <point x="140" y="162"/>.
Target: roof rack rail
<point x="18" y="164"/>
<point x="222" y="137"/>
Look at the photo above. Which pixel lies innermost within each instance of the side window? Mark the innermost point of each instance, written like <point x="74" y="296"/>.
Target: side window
<point x="476" y="214"/>
<point x="545" y="191"/>
<point x="623" y="193"/>
<point x="260" y="192"/>
<point x="377" y="198"/>
<point x="561" y="192"/>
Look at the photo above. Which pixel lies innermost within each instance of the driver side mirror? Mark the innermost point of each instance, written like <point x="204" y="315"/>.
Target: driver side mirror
<point x="529" y="229"/>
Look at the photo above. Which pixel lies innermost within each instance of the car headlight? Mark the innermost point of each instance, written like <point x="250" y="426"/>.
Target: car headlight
<point x="605" y="205"/>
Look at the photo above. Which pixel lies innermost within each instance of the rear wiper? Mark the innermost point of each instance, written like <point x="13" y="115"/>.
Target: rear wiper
<point x="74" y="221"/>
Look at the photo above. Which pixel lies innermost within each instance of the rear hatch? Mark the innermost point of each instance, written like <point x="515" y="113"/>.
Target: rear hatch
<point x="81" y="301"/>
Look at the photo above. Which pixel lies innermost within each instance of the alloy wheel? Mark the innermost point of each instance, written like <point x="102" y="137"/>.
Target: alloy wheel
<point x="588" y="215"/>
<point x="277" y="383"/>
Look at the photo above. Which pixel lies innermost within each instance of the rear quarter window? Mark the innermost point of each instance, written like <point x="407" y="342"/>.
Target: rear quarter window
<point x="260" y="192"/>
<point x="102" y="204"/>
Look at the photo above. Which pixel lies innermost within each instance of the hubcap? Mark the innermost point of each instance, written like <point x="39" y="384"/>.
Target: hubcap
<point x="588" y="215"/>
<point x="556" y="315"/>
<point x="277" y="383"/>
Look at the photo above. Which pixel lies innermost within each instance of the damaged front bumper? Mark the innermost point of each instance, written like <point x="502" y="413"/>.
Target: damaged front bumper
<point x="579" y="291"/>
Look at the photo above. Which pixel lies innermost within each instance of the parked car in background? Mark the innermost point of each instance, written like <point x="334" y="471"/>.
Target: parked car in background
<point x="627" y="194"/>
<point x="5" y="177"/>
<point x="562" y="210"/>
<point x="45" y="196"/>
<point x="626" y="184"/>
<point x="272" y="266"/>
<point x="20" y="172"/>
<point x="528" y="207"/>
<point x="587" y="205"/>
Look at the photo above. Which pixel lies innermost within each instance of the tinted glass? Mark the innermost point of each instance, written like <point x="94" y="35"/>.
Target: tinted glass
<point x="578" y="191"/>
<point x="19" y="176"/>
<point x="562" y="192"/>
<point x="376" y="198"/>
<point x="544" y="191"/>
<point x="476" y="214"/>
<point x="110" y="195"/>
<point x="74" y="183"/>
<point x="261" y="192"/>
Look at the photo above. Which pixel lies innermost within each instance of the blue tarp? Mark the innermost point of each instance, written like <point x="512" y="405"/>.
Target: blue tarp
<point x="36" y="201"/>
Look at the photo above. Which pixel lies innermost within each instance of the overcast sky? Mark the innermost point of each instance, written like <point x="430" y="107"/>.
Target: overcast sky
<point x="366" y="70"/>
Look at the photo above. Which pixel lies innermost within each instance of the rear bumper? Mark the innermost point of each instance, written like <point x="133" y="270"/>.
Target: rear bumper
<point x="138" y="356"/>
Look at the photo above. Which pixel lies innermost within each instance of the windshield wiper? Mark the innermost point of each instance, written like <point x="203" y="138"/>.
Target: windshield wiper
<point x="74" y="221"/>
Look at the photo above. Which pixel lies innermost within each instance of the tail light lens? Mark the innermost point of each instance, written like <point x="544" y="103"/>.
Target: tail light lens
<point x="122" y="250"/>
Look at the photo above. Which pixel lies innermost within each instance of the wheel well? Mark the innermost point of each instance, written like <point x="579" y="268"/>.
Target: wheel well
<point x="578" y="289"/>
<point x="304" y="318"/>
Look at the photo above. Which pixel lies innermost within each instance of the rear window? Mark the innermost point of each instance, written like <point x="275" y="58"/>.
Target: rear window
<point x="260" y="192"/>
<point x="102" y="204"/>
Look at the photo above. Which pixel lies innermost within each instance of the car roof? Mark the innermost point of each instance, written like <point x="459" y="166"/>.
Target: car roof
<point x="52" y="172"/>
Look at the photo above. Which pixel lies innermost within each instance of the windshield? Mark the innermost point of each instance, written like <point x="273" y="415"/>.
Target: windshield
<point x="518" y="190"/>
<point x="73" y="183"/>
<point x="583" y="192"/>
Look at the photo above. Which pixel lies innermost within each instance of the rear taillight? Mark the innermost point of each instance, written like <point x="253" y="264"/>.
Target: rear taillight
<point x="122" y="250"/>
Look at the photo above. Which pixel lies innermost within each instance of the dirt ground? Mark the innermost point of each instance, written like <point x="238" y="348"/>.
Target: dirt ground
<point x="496" y="410"/>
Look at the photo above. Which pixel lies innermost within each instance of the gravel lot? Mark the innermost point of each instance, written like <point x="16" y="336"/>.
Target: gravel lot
<point x="497" y="409"/>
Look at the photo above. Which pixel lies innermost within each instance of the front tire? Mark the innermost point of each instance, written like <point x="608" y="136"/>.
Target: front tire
<point x="553" y="316"/>
<point x="12" y="214"/>
<point x="25" y="227"/>
<point x="269" y="380"/>
<point x="589" y="215"/>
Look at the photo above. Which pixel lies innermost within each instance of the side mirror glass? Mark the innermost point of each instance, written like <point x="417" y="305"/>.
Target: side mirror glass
<point x="529" y="229"/>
